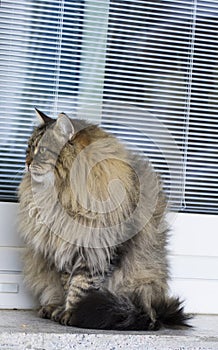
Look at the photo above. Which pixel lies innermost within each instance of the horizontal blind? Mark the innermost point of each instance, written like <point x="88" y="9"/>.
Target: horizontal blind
<point x="147" y="70"/>
<point x="162" y="58"/>
<point x="39" y="66"/>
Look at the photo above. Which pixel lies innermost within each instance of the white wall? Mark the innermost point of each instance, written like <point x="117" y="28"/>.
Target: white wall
<point x="194" y="261"/>
<point x="12" y="291"/>
<point x="193" y="257"/>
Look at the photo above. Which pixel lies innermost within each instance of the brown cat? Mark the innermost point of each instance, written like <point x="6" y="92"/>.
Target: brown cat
<point x="92" y="217"/>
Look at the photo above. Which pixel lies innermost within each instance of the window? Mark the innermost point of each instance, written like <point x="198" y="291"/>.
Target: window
<point x="147" y="71"/>
<point x="40" y="57"/>
<point x="157" y="57"/>
<point x="162" y="57"/>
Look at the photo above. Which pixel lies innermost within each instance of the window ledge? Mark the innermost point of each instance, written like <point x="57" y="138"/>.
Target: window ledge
<point x="24" y="330"/>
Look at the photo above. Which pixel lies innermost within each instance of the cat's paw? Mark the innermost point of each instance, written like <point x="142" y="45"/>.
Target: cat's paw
<point x="46" y="311"/>
<point x="56" y="314"/>
<point x="63" y="316"/>
<point x="67" y="318"/>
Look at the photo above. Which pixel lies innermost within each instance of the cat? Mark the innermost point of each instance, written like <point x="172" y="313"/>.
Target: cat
<point x="92" y="216"/>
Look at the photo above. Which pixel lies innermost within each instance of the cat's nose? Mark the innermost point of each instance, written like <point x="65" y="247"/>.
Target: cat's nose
<point x="28" y="162"/>
<point x="27" y="168"/>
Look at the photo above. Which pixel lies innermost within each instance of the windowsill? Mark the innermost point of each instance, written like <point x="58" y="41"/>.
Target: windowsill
<point x="23" y="329"/>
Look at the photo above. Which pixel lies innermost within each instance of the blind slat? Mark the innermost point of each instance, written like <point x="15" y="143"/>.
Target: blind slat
<point x="157" y="61"/>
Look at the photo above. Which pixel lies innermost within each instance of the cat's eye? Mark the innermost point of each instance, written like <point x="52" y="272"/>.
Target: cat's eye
<point x="42" y="150"/>
<point x="39" y="150"/>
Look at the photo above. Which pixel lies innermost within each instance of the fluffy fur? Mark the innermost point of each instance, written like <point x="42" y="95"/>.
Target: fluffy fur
<point x="92" y="217"/>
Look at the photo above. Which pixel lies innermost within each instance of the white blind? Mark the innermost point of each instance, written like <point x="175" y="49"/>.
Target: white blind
<point x="39" y="66"/>
<point x="147" y="70"/>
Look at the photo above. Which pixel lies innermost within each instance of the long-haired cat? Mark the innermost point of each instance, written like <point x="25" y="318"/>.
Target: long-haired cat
<point x="92" y="218"/>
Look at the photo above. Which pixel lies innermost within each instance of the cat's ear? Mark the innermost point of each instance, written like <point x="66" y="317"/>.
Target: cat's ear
<point x="42" y="117"/>
<point x="64" y="126"/>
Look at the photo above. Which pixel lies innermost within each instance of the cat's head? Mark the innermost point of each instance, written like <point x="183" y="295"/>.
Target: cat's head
<point x="46" y="143"/>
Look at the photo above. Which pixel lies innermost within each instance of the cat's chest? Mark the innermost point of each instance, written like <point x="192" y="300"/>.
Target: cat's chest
<point x="48" y="229"/>
<point x="35" y="224"/>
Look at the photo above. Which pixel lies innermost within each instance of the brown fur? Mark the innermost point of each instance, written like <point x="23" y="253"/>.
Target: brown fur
<point x="92" y="217"/>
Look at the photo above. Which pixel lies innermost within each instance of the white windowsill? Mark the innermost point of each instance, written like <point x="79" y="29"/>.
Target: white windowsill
<point x="193" y="258"/>
<point x="24" y="330"/>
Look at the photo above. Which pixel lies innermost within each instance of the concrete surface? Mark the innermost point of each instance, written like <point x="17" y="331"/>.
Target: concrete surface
<point x="22" y="330"/>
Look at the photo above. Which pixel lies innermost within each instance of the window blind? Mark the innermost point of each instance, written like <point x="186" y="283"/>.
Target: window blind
<point x="146" y="70"/>
<point x="39" y="66"/>
<point x="162" y="57"/>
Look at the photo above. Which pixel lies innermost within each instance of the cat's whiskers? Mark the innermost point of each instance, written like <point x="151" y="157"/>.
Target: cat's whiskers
<point x="18" y="174"/>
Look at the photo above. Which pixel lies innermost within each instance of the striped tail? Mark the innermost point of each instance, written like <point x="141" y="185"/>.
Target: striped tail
<point x="104" y="310"/>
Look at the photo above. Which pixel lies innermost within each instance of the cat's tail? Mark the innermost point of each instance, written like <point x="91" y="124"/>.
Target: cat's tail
<point x="104" y="310"/>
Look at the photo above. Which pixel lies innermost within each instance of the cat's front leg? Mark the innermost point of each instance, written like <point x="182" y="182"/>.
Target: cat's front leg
<point x="44" y="282"/>
<point x="76" y="288"/>
<point x="47" y="310"/>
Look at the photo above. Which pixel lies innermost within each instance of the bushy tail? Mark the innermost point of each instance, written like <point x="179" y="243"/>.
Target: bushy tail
<point x="104" y="310"/>
<point x="170" y="313"/>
